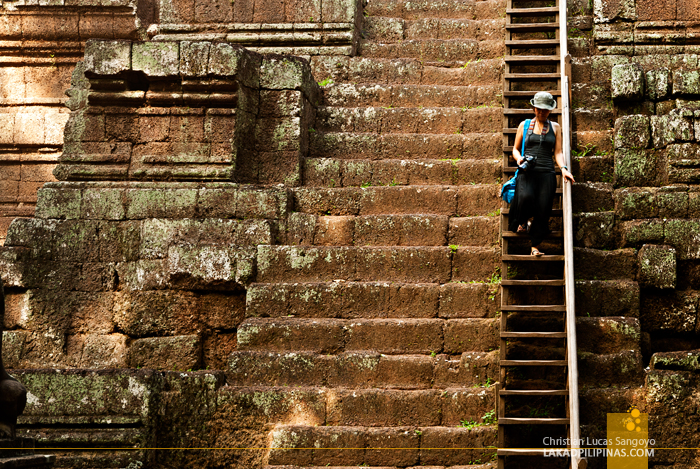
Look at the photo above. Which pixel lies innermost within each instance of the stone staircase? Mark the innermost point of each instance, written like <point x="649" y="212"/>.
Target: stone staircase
<point x="380" y="298"/>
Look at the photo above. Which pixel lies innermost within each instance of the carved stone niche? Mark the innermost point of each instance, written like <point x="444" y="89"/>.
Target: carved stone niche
<point x="187" y="111"/>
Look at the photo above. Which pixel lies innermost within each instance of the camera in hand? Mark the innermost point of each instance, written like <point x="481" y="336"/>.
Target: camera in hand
<point x="528" y="163"/>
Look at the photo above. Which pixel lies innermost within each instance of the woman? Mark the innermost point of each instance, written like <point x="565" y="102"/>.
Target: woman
<point x="536" y="185"/>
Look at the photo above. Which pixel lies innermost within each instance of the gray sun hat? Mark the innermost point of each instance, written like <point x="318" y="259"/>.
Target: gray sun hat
<point x="544" y="100"/>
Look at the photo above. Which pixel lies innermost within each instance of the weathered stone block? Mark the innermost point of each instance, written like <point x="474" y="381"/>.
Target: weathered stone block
<point x="632" y="132"/>
<point x="620" y="369"/>
<point x="208" y="266"/>
<point x="285" y="73"/>
<point x="627" y="80"/>
<point x="103" y="204"/>
<point x="341" y="11"/>
<point x="684" y="235"/>
<point x="278" y="135"/>
<point x="635" y="167"/>
<point x="119" y="242"/>
<point x="686" y="82"/>
<point x="620" y="264"/>
<point x="98" y="351"/>
<point x="595" y="230"/>
<point x="107" y="57"/>
<point x="683" y="361"/>
<point x="179" y="353"/>
<point x="13" y="343"/>
<point x="657" y="84"/>
<point x="156" y="59"/>
<point x="636" y="202"/>
<point x="58" y="203"/>
<point x="468" y="300"/>
<point x="683" y="163"/>
<point x="29" y="128"/>
<point x="657" y="266"/>
<point x="641" y="231"/>
<point x="471" y="335"/>
<point x="656" y="10"/>
<point x="694" y="203"/>
<point x="217" y="11"/>
<point x="672" y="202"/>
<point x="675" y="126"/>
<point x="97" y="397"/>
<point x="180" y="203"/>
<point x="607" y="298"/>
<point x="674" y="311"/>
<point x="234" y="61"/>
<point x="194" y="58"/>
<point x="592" y="197"/>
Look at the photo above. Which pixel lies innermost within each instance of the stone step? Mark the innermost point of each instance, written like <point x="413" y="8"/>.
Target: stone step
<point x="386" y="29"/>
<point x="623" y="368"/>
<point x="382" y="446"/>
<point x="31" y="461"/>
<point x="362" y="370"/>
<point x="305" y="229"/>
<point x="435" y="50"/>
<point x="468" y="9"/>
<point x="461" y="201"/>
<point x="344" y="145"/>
<point x="367" y="264"/>
<point x="354" y="300"/>
<point x="368" y="70"/>
<point x="361" y="407"/>
<point x="387" y="336"/>
<point x="409" y="120"/>
<point x="380" y="95"/>
<point x="330" y="172"/>
<point x="490" y="465"/>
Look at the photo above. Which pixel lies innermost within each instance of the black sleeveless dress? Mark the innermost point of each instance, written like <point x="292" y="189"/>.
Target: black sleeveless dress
<point x="535" y="188"/>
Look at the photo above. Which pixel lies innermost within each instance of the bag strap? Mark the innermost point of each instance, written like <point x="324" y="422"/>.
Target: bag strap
<point x="529" y="124"/>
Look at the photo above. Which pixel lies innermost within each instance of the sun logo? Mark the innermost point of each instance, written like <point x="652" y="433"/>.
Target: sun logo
<point x="633" y="421"/>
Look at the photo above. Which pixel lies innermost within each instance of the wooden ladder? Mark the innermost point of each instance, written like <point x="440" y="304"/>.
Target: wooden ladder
<point x="536" y="60"/>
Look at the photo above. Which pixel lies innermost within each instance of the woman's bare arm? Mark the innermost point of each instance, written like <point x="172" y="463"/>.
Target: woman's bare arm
<point x="559" y="155"/>
<point x="518" y="144"/>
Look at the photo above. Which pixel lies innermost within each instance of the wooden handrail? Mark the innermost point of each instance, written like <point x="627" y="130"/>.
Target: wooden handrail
<point x="574" y="426"/>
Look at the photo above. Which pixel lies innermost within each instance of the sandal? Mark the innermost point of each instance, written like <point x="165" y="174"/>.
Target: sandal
<point x="536" y="252"/>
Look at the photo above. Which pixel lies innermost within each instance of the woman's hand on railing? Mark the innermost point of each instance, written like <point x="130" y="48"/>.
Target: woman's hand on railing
<point x="566" y="174"/>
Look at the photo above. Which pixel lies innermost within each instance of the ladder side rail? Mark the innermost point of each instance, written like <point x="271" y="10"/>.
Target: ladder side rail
<point x="570" y="282"/>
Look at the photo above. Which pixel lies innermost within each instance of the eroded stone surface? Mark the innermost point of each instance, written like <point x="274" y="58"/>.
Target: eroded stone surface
<point x="657" y="266"/>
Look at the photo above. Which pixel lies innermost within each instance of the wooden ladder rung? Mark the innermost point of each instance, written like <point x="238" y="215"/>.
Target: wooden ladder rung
<point x="532" y="43"/>
<point x="542" y="11"/>
<point x="533" y="363"/>
<point x="526" y="112"/>
<point x="533" y="27"/>
<point x="533" y="77"/>
<point x="527" y="94"/>
<point x="527" y="257"/>
<point x="532" y="421"/>
<point x="534" y="283"/>
<point x="511" y="234"/>
<point x="533" y="392"/>
<point x="533" y="335"/>
<point x="525" y="451"/>
<point x="532" y="59"/>
<point x="532" y="308"/>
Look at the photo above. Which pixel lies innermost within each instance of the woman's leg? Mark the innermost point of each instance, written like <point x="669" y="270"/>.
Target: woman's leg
<point x="521" y="209"/>
<point x="543" y="203"/>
